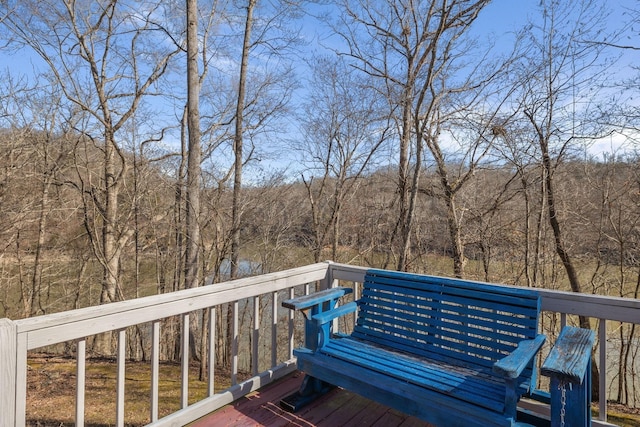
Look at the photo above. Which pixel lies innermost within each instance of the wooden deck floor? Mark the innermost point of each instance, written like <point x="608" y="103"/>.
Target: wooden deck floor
<point x="337" y="408"/>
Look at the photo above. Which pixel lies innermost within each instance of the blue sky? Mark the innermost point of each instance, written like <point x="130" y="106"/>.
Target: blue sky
<point x="497" y="22"/>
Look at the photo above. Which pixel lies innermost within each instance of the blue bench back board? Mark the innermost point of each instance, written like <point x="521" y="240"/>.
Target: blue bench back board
<point x="459" y="321"/>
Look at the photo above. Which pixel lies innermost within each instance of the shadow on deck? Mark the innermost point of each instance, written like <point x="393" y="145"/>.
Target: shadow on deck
<point x="337" y="408"/>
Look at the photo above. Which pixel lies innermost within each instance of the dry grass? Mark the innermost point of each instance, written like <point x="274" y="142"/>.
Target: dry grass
<point x="621" y="415"/>
<point x="52" y="388"/>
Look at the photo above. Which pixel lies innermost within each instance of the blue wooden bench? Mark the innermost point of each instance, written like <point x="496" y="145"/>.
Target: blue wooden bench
<point x="451" y="352"/>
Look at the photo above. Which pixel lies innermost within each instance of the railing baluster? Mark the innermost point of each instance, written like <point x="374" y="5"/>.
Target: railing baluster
<point x="9" y="365"/>
<point x="212" y="352"/>
<point x="274" y="330"/>
<point x="21" y="380"/>
<point x="292" y="294"/>
<point x="81" y="350"/>
<point x="184" y="371"/>
<point x="256" y="334"/>
<point x="234" y="345"/>
<point x="155" y="369"/>
<point x="602" y="383"/>
<point x="120" y="377"/>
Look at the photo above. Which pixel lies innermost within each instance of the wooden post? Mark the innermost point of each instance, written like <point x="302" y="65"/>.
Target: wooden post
<point x="569" y="366"/>
<point x="8" y="371"/>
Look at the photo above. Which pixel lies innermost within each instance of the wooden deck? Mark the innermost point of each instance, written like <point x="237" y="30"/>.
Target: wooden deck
<point x="337" y="408"/>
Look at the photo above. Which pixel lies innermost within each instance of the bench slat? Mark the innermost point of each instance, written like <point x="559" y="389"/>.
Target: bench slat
<point x="437" y="298"/>
<point x="458" y="339"/>
<point x="429" y="405"/>
<point x="430" y="323"/>
<point x="428" y="349"/>
<point x="430" y="309"/>
<point x="439" y="301"/>
<point x="452" y="380"/>
<point x="420" y="280"/>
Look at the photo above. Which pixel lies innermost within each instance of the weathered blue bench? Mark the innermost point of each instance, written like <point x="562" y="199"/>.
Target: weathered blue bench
<point x="451" y="352"/>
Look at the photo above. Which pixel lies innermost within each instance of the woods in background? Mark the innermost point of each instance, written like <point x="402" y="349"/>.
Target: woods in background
<point x="395" y="134"/>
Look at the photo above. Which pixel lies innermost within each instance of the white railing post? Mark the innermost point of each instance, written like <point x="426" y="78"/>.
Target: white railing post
<point x="235" y="344"/>
<point x="328" y="281"/>
<point x="81" y="359"/>
<point x="274" y="329"/>
<point x="602" y="381"/>
<point x="255" y="336"/>
<point x="120" y="377"/>
<point x="211" y="381"/>
<point x="8" y="371"/>
<point x="184" y="361"/>
<point x="155" y="370"/>
<point x="291" y="338"/>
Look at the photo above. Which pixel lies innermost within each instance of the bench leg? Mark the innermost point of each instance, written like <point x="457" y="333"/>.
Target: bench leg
<point x="310" y="389"/>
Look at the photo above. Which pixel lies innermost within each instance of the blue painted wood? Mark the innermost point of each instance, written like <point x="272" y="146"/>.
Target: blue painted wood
<point x="452" y="352"/>
<point x="570" y="355"/>
<point x="513" y="365"/>
<point x="314" y="304"/>
<point x="569" y="366"/>
<point x="306" y="301"/>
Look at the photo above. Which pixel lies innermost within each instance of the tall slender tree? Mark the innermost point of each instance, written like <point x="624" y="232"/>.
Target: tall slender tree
<point x="238" y="140"/>
<point x="192" y="254"/>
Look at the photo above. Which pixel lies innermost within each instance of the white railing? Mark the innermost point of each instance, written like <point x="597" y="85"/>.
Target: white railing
<point x="19" y="337"/>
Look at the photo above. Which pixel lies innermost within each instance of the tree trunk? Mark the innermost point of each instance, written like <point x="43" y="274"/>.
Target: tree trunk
<point x="404" y="214"/>
<point x="457" y="248"/>
<point x="238" y="141"/>
<point x="569" y="267"/>
<point x="36" y="282"/>
<point x="192" y="255"/>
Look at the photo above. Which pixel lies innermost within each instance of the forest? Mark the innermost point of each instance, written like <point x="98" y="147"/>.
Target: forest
<point x="152" y="146"/>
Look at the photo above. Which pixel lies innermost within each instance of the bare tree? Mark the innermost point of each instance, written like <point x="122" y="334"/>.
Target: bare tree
<point x="343" y="131"/>
<point x="103" y="62"/>
<point x="563" y="75"/>
<point x="192" y="263"/>
<point x="238" y="139"/>
<point x="417" y="49"/>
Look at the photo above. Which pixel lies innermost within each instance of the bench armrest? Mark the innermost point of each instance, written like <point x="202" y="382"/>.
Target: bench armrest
<point x="328" y="316"/>
<point x="569" y="358"/>
<point x="312" y="305"/>
<point x="511" y="366"/>
<point x="307" y="301"/>
<point x="323" y="320"/>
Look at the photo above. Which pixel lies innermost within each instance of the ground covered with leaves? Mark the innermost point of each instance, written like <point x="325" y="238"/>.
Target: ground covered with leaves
<point x="51" y="382"/>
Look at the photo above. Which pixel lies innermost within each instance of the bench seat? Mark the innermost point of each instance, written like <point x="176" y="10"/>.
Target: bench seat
<point x="425" y="403"/>
<point x="472" y="384"/>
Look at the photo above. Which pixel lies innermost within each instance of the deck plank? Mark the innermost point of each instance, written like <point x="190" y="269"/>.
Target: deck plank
<point x="337" y="408"/>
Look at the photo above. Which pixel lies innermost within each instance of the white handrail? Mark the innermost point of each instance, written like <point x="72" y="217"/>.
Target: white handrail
<point x="20" y="336"/>
<point x="17" y="337"/>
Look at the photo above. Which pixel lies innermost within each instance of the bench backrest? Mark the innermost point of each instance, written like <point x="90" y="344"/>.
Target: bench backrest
<point x="471" y="322"/>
